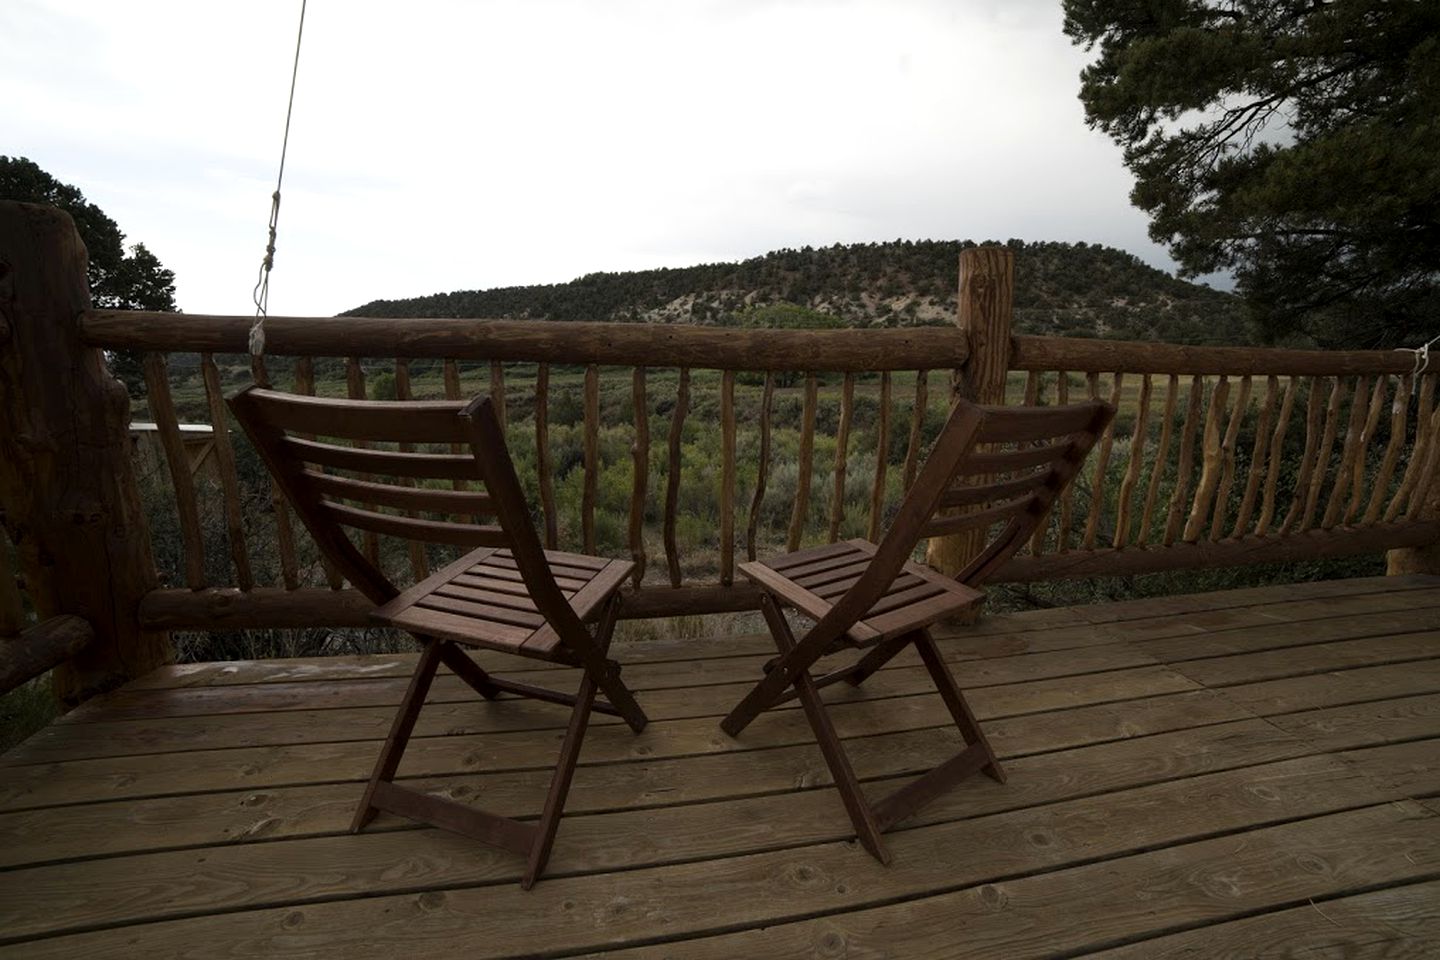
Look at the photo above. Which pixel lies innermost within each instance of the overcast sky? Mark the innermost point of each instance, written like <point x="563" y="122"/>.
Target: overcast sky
<point x="449" y="145"/>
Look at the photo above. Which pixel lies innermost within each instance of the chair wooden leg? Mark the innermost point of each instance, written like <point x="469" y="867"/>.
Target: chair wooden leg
<point x="570" y="747"/>
<point x="560" y="783"/>
<point x="956" y="703"/>
<point x="867" y="830"/>
<point x="400" y="729"/>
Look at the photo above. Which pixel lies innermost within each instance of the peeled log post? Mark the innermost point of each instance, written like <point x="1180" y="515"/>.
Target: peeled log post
<point x="987" y="296"/>
<point x="43" y="647"/>
<point x="67" y="486"/>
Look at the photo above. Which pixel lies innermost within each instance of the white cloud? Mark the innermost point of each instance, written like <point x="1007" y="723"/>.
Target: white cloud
<point x="449" y="145"/>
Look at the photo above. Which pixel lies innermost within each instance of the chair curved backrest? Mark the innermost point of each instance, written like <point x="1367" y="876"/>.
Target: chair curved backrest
<point x="997" y="466"/>
<point x="323" y="454"/>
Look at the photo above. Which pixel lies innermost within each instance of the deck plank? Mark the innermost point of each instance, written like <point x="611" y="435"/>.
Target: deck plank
<point x="365" y="865"/>
<point x="1395" y="924"/>
<point x="331" y="694"/>
<point x="588" y="912"/>
<point x="64" y="742"/>
<point x="1186" y="773"/>
<point x="1094" y="906"/>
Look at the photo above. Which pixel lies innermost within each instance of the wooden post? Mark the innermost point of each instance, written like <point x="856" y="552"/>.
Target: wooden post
<point x="987" y="296"/>
<point x="67" y="488"/>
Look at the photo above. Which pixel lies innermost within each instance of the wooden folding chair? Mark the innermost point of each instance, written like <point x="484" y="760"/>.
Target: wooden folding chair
<point x="508" y="594"/>
<point x="1010" y="464"/>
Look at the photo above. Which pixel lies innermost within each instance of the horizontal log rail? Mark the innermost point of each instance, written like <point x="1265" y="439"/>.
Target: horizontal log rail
<point x="536" y="341"/>
<point x="272" y="608"/>
<point x="42" y="648"/>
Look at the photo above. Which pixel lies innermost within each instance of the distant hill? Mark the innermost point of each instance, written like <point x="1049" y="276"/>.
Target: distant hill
<point x="1069" y="289"/>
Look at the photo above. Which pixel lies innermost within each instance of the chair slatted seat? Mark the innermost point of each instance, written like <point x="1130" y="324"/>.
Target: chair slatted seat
<point x="875" y="598"/>
<point x="506" y="593"/>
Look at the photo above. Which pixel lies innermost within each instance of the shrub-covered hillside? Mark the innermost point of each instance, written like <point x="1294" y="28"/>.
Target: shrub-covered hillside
<point x="1070" y="289"/>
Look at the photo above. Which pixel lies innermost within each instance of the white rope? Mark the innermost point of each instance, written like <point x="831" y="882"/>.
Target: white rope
<point x="261" y="293"/>
<point x="1422" y="355"/>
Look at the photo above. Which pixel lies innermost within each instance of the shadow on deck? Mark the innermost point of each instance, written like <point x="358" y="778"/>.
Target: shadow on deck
<point x="1223" y="774"/>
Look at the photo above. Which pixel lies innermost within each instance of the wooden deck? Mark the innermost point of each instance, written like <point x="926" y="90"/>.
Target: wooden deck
<point x="1249" y="773"/>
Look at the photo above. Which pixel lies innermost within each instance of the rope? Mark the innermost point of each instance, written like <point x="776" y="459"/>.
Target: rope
<point x="1422" y="355"/>
<point x="261" y="293"/>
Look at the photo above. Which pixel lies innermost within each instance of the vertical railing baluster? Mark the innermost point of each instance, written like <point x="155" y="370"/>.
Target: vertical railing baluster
<point x="672" y="476"/>
<point x="917" y="425"/>
<point x="1138" y="440"/>
<point x="842" y="452"/>
<point x="1162" y="457"/>
<point x="1257" y="457"/>
<point x="1350" y="449"/>
<point x="1227" y="458"/>
<point x="1063" y="530"/>
<point x="640" y="456"/>
<point x="1277" y="455"/>
<point x="162" y="409"/>
<point x="1411" y="478"/>
<point x="1367" y="438"/>
<point x="1399" y="415"/>
<point x="882" y="451"/>
<point x="1186" y="463"/>
<point x="763" y="472"/>
<point x="497" y="391"/>
<point x="542" y="455"/>
<point x="1322" y="458"/>
<point x="727" y="477"/>
<point x="1034" y="396"/>
<point x="806" y="458"/>
<point x="1210" y="461"/>
<point x="591" y="455"/>
<point x="229" y="481"/>
<point x="1102" y="458"/>
<point x="1314" y="411"/>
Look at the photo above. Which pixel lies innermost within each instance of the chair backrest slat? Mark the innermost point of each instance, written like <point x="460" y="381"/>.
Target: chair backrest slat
<point x="400" y="421"/>
<point x="418" y="466"/>
<point x="410" y="528"/>
<point x="968" y="495"/>
<point x="1010" y="461"/>
<point x="1031" y="424"/>
<point x="970" y="520"/>
<point x="403" y="498"/>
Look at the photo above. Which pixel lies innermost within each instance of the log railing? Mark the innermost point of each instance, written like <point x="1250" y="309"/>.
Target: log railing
<point x="690" y="448"/>
<point x="683" y="385"/>
<point x="1221" y="456"/>
<point x="1225" y="457"/>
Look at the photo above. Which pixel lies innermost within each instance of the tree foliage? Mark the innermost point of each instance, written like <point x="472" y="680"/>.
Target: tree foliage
<point x="1294" y="142"/>
<point x="120" y="279"/>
